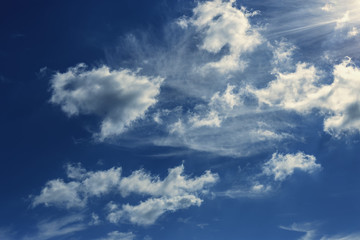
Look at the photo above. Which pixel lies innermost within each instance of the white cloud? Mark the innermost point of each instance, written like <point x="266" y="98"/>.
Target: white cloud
<point x="353" y="32"/>
<point x="224" y="25"/>
<point x="220" y="107"/>
<point x="147" y="212"/>
<point x="175" y="192"/>
<point x="307" y="228"/>
<point x="341" y="22"/>
<point x="255" y="190"/>
<point x="75" y="193"/>
<point x="225" y="125"/>
<point x="281" y="166"/>
<point x="328" y="7"/>
<point x="302" y="92"/>
<point x="60" y="194"/>
<point x="118" y="96"/>
<point x="354" y="236"/>
<point x="95" y="219"/>
<point x="293" y="90"/>
<point x="175" y="184"/>
<point x="312" y="233"/>
<point x="101" y="182"/>
<point x="58" y="227"/>
<point x="116" y="235"/>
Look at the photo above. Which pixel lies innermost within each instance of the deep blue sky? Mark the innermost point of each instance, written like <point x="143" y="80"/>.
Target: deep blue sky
<point x="186" y="118"/>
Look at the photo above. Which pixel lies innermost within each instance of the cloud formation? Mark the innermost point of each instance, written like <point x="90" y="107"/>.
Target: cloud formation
<point x="281" y="166"/>
<point x="147" y="212"/>
<point x="116" y="235"/>
<point x="223" y="25"/>
<point x="302" y="91"/>
<point x="74" y="194"/>
<point x="269" y="176"/>
<point x="175" y="184"/>
<point x="58" y="227"/>
<point x="118" y="97"/>
<point x="176" y="191"/>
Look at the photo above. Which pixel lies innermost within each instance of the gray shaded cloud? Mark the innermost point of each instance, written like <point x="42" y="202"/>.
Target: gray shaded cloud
<point x="119" y="97"/>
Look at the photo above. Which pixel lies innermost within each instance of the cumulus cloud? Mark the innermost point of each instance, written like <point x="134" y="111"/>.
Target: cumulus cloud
<point x="301" y="91"/>
<point x="147" y="212"/>
<point x="281" y="166"/>
<point x="175" y="184"/>
<point x="174" y="192"/>
<point x="75" y="193"/>
<point x="223" y="25"/>
<point x="268" y="177"/>
<point x="116" y="235"/>
<point x="119" y="97"/>
<point x="60" y="194"/>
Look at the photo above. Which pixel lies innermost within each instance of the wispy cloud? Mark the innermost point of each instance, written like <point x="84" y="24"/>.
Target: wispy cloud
<point x="48" y="229"/>
<point x="116" y="235"/>
<point x="311" y="232"/>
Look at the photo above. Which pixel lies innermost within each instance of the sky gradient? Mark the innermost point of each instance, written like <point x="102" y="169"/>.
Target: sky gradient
<point x="169" y="119"/>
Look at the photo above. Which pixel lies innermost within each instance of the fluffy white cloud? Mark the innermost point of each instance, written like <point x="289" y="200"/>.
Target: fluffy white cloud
<point x="281" y="166"/>
<point x="116" y="235"/>
<point x="75" y="193"/>
<point x="174" y="184"/>
<point x="343" y="12"/>
<point x="147" y="212"/>
<point x="291" y="90"/>
<point x="60" y="194"/>
<point x="224" y="25"/>
<point x="175" y="192"/>
<point x="302" y="92"/>
<point x="118" y="96"/>
<point x="101" y="182"/>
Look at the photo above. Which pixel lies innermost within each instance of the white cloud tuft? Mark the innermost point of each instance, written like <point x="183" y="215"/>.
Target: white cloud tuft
<point x="174" y="184"/>
<point x="224" y="25"/>
<point x="147" y="212"/>
<point x="118" y="96"/>
<point x="60" y="194"/>
<point x="75" y="193"/>
<point x="281" y="166"/>
<point x="175" y="192"/>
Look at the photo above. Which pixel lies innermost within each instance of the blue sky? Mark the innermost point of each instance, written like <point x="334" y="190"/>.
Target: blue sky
<point x="146" y="120"/>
